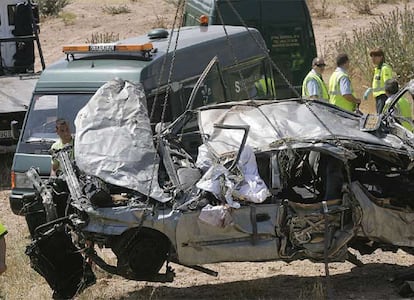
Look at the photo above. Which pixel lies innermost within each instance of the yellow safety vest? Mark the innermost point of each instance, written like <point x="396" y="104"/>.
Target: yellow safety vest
<point x="261" y="87"/>
<point x="58" y="145"/>
<point x="3" y="230"/>
<point x="381" y="74"/>
<point x="402" y="112"/>
<point x="335" y="96"/>
<point x="322" y="87"/>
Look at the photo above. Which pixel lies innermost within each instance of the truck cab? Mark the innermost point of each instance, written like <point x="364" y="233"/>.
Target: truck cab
<point x="285" y="25"/>
<point x="66" y="86"/>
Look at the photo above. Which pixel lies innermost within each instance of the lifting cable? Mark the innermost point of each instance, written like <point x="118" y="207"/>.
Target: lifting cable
<point x="338" y="142"/>
<point x="265" y="51"/>
<point x="178" y="17"/>
<point x="236" y="61"/>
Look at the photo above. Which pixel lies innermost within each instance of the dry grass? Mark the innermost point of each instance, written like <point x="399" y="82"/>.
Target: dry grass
<point x="116" y="10"/>
<point x="68" y="18"/>
<point x="6" y="161"/>
<point x="321" y="8"/>
<point x="20" y="280"/>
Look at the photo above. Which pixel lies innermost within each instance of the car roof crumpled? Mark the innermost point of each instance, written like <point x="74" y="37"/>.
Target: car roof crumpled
<point x="285" y="124"/>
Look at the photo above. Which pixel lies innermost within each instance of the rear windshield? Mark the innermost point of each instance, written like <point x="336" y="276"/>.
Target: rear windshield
<point x="46" y="109"/>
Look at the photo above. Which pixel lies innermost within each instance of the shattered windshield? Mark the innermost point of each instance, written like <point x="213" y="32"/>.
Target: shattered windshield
<point x="46" y="109"/>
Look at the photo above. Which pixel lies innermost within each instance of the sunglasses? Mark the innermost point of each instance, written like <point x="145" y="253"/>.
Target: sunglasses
<point x="320" y="65"/>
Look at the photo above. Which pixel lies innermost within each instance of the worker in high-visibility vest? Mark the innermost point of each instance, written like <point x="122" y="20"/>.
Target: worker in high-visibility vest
<point x="265" y="88"/>
<point x="402" y="110"/>
<point x="313" y="86"/>
<point x="340" y="89"/>
<point x="382" y="73"/>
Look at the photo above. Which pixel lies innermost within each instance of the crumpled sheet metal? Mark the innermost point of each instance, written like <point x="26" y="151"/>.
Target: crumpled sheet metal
<point x="114" y="220"/>
<point x="114" y="139"/>
<point x="249" y="186"/>
<point x="384" y="224"/>
<point x="274" y="123"/>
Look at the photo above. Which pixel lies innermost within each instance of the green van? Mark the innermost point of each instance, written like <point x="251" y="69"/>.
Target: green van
<point x="285" y="25"/>
<point x="66" y="86"/>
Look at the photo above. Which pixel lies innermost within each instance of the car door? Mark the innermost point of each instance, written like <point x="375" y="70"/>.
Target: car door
<point x="250" y="236"/>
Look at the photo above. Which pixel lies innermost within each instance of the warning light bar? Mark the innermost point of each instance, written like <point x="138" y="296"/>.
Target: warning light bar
<point x="106" y="48"/>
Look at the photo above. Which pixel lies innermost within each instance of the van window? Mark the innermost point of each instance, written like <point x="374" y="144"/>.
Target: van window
<point x="245" y="86"/>
<point x="46" y="109"/>
<point x="10" y="13"/>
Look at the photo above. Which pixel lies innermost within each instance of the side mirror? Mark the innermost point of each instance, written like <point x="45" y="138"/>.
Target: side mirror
<point x="14" y="126"/>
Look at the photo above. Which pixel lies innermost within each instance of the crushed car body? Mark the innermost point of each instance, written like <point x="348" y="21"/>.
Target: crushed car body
<point x="273" y="180"/>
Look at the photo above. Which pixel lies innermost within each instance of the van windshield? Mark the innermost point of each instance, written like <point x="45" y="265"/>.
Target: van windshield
<point x="46" y="109"/>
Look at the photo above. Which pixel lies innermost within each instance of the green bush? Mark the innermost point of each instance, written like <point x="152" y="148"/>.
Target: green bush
<point x="394" y="33"/>
<point x="51" y="7"/>
<point x="116" y="10"/>
<point x="103" y="37"/>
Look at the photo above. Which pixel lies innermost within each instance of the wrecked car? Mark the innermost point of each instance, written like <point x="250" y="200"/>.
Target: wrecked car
<point x="271" y="180"/>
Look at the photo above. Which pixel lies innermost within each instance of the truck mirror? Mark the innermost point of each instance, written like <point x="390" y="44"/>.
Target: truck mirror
<point x="14" y="126"/>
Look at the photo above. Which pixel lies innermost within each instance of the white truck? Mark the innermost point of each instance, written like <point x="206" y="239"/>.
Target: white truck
<point x="18" y="35"/>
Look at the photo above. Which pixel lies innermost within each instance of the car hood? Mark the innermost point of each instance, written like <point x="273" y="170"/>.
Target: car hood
<point x="114" y="139"/>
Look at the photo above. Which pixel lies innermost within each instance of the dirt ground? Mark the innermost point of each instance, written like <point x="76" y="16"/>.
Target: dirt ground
<point x="271" y="280"/>
<point x="267" y="280"/>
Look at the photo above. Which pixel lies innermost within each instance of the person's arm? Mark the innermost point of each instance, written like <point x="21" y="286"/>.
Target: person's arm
<point x="54" y="162"/>
<point x="54" y="168"/>
<point x="351" y="98"/>
<point x="312" y="87"/>
<point x="346" y="90"/>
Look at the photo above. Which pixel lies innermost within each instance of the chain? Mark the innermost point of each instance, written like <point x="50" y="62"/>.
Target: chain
<point x="178" y="15"/>
<point x="164" y="62"/>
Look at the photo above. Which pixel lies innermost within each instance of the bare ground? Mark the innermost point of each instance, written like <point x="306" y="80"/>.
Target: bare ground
<point x="267" y="280"/>
<point x="270" y="280"/>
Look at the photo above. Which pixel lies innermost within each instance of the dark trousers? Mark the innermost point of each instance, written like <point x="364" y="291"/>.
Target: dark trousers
<point x="380" y="102"/>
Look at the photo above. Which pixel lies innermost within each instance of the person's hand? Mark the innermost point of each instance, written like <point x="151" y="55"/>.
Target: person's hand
<point x="367" y="93"/>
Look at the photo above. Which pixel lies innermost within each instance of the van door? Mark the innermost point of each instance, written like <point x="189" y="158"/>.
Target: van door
<point x="286" y="27"/>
